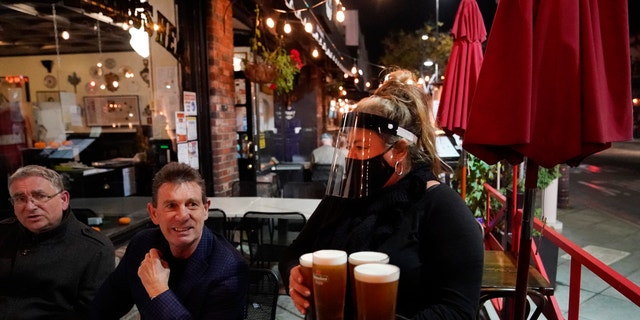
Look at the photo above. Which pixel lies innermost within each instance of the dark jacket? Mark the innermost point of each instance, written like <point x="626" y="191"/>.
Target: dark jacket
<point x="53" y="275"/>
<point x="429" y="233"/>
<point x="213" y="283"/>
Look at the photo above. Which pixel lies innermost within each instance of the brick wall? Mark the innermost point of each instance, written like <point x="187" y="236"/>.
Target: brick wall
<point x="221" y="93"/>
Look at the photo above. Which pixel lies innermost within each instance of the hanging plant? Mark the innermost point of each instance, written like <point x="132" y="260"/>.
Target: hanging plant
<point x="277" y="67"/>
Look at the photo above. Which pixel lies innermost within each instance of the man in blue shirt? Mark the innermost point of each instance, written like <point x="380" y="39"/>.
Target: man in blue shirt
<point x="180" y="270"/>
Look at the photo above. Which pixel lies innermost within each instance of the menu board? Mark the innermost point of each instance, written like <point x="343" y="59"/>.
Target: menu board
<point x="112" y="111"/>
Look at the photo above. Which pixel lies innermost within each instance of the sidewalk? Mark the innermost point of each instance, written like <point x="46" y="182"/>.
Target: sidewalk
<point x="614" y="242"/>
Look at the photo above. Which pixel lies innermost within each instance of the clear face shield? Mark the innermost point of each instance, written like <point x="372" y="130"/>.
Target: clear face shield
<point x="359" y="168"/>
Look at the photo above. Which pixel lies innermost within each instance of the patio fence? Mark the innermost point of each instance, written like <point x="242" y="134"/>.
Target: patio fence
<point x="579" y="258"/>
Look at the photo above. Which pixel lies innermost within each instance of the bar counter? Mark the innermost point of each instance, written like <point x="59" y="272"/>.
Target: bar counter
<point x="112" y="209"/>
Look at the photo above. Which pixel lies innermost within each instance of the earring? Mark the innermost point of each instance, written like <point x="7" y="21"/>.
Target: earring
<point x="395" y="168"/>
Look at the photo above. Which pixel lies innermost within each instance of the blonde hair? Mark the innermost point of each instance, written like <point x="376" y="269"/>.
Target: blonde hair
<point x="399" y="99"/>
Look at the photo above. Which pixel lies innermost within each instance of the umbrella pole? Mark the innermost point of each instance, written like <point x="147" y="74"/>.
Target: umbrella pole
<point x="463" y="174"/>
<point x="524" y="253"/>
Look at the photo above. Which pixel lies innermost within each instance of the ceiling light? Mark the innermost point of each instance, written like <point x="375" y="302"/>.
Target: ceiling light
<point x="139" y="41"/>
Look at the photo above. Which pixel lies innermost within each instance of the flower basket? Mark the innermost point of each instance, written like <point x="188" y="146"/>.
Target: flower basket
<point x="260" y="72"/>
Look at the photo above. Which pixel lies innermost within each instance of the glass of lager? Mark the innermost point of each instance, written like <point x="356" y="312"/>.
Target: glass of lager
<point x="329" y="283"/>
<point x="306" y="266"/>
<point x="376" y="291"/>
<point x="358" y="258"/>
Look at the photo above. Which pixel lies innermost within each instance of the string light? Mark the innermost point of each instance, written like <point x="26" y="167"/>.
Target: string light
<point x="271" y="23"/>
<point x="315" y="53"/>
<point x="308" y="27"/>
<point x="99" y="64"/>
<point x="287" y="27"/>
<point x="340" y="15"/>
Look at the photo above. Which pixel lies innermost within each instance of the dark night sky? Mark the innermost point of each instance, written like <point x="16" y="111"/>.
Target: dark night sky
<point x="379" y="17"/>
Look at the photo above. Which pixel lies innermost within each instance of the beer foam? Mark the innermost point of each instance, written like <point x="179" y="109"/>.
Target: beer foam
<point x="376" y="273"/>
<point x="329" y="257"/>
<point x="306" y="260"/>
<point x="361" y="257"/>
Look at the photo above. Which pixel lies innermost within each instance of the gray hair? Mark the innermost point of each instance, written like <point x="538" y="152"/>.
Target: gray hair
<point x="38" y="171"/>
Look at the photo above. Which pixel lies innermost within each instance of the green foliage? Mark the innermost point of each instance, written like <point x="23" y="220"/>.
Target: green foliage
<point x="285" y="66"/>
<point x="282" y="61"/>
<point x="408" y="50"/>
<point x="478" y="173"/>
<point x="547" y="175"/>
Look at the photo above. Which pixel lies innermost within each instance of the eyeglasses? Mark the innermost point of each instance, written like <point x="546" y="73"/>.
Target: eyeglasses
<point x="36" y="198"/>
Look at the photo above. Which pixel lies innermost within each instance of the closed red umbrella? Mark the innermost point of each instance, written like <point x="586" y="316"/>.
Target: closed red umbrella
<point x="554" y="88"/>
<point x="463" y="68"/>
<point x="462" y="73"/>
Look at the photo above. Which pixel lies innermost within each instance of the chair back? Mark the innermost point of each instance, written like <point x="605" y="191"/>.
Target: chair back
<point x="217" y="222"/>
<point x="262" y="297"/>
<point x="321" y="173"/>
<point x="305" y="190"/>
<point x="263" y="243"/>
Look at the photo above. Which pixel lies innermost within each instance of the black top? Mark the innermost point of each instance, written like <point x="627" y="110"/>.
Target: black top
<point x="54" y="274"/>
<point x="429" y="233"/>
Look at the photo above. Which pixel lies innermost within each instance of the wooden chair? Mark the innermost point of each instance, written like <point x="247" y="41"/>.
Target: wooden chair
<point x="262" y="297"/>
<point x="263" y="244"/>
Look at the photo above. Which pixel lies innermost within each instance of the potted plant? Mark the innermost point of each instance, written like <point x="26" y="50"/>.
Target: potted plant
<point x="277" y="66"/>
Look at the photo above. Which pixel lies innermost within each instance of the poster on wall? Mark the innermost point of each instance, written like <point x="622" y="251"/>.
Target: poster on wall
<point x="187" y="139"/>
<point x="111" y="110"/>
<point x="190" y="105"/>
<point x="181" y="127"/>
<point x="192" y="128"/>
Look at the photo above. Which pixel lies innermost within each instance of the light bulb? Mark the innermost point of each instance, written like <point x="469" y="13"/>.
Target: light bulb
<point x="308" y="27"/>
<point x="287" y="27"/>
<point x="270" y="23"/>
<point x="65" y="35"/>
<point x="139" y="41"/>
<point x="340" y="16"/>
<point x="315" y="53"/>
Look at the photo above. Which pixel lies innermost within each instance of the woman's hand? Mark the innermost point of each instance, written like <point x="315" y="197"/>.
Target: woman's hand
<point x="298" y="292"/>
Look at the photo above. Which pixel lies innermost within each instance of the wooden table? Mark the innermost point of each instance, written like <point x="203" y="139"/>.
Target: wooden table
<point x="499" y="280"/>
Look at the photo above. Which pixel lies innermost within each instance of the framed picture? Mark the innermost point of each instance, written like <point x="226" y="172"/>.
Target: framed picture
<point x="48" y="96"/>
<point x="113" y="111"/>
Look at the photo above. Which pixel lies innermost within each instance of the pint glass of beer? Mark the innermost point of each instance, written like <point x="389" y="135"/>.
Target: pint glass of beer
<point x="362" y="257"/>
<point x="329" y="283"/>
<point x="306" y="266"/>
<point x="376" y="291"/>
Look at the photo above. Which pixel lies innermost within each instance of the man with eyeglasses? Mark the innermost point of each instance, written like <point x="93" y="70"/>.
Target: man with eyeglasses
<point x="51" y="264"/>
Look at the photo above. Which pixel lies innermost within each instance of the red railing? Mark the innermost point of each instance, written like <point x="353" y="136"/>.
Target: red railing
<point x="579" y="258"/>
